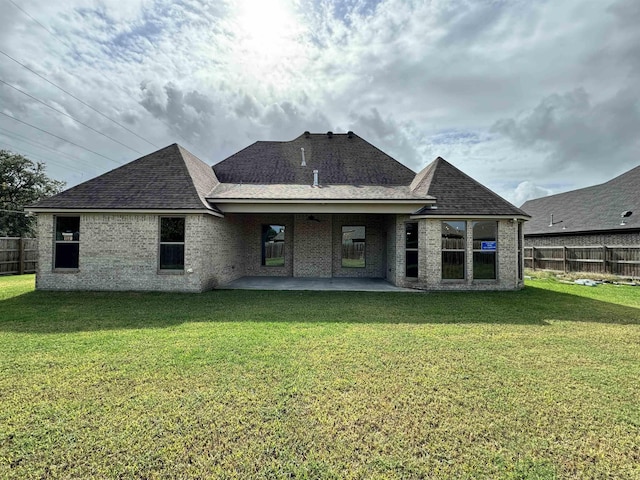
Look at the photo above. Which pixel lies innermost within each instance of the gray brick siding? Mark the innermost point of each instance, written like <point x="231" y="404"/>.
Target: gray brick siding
<point x="591" y="239"/>
<point x="120" y="252"/>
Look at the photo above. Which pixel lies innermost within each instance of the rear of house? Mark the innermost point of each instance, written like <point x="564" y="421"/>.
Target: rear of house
<point x="321" y="205"/>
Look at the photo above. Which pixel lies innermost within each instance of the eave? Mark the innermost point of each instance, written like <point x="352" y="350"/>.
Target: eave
<point x="467" y="216"/>
<point x="319" y="206"/>
<point x="151" y="211"/>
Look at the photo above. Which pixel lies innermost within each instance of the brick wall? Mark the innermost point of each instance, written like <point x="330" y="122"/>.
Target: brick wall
<point x="613" y="239"/>
<point x="120" y="252"/>
<point x="252" y="247"/>
<point x="375" y="245"/>
<point x="312" y="249"/>
<point x="430" y="258"/>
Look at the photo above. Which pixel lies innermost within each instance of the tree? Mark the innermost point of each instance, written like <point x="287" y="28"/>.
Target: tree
<point x="22" y="183"/>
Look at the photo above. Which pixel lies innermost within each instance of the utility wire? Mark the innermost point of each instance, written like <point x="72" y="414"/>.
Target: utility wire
<point x="106" y="76"/>
<point x="63" y="139"/>
<point x="69" y="116"/>
<point x="21" y="138"/>
<point x="37" y="156"/>
<point x="79" y="100"/>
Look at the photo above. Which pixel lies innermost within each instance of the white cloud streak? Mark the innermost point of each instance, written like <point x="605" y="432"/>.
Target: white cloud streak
<point x="527" y="97"/>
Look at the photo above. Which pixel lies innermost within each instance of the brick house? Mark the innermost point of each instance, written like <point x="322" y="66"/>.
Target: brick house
<point x="321" y="205"/>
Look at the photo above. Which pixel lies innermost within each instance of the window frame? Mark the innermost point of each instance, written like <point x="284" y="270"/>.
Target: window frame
<point x="462" y="250"/>
<point x="408" y="250"/>
<point x="520" y="251"/>
<point x="485" y="252"/>
<point x="176" y="271"/>
<point x="264" y="228"/>
<point x="364" y="249"/>
<point x="72" y="241"/>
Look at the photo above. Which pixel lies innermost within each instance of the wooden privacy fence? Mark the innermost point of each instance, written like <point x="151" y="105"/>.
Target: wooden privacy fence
<point x="18" y="255"/>
<point x="614" y="260"/>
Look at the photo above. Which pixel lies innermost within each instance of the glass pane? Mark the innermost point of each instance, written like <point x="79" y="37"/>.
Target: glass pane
<point x="353" y="246"/>
<point x="172" y="229"/>
<point x="484" y="265"/>
<point x="453" y="235"/>
<point x="172" y="257"/>
<point x="68" y="228"/>
<point x="273" y="245"/>
<point x="453" y="265"/>
<point x="411" y="235"/>
<point x="67" y="255"/>
<point x="484" y="235"/>
<point x="412" y="264"/>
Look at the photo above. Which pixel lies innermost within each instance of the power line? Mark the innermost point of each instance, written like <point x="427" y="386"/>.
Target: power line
<point x="38" y="156"/>
<point x="106" y="76"/>
<point x="63" y="139"/>
<point x="22" y="138"/>
<point x="79" y="100"/>
<point x="69" y="116"/>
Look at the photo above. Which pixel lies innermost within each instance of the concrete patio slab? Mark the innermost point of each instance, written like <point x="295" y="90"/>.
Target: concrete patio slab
<point x="320" y="284"/>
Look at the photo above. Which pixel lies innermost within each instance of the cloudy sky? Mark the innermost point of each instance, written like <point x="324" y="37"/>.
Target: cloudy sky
<point x="528" y="97"/>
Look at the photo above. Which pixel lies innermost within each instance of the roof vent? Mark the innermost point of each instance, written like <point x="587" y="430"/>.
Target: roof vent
<point x="330" y="134"/>
<point x="624" y="215"/>
<point x="303" y="164"/>
<point x="315" y="179"/>
<point x="349" y="134"/>
<point x="307" y="134"/>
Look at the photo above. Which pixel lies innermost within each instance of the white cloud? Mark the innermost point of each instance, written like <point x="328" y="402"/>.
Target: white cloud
<point x="417" y="79"/>
<point x="527" y="191"/>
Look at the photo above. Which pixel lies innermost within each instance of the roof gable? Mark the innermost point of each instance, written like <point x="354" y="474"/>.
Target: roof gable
<point x="170" y="178"/>
<point x="594" y="208"/>
<point x="341" y="159"/>
<point x="457" y="193"/>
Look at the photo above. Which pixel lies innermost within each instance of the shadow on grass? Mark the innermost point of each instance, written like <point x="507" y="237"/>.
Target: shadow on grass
<point x="63" y="312"/>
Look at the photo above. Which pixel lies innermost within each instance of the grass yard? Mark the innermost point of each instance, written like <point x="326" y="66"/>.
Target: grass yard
<point x="541" y="383"/>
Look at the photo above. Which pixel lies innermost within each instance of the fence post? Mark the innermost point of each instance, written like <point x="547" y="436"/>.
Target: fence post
<point x="605" y="265"/>
<point x="533" y="258"/>
<point x="564" y="258"/>
<point x="21" y="259"/>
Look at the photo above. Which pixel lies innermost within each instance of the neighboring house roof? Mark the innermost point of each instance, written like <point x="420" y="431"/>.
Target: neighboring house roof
<point x="341" y="159"/>
<point x="458" y="194"/>
<point x="171" y="178"/>
<point x="596" y="208"/>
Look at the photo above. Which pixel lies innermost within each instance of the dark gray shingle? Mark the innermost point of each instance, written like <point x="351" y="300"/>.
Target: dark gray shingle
<point x="341" y="159"/>
<point x="171" y="178"/>
<point x="457" y="193"/>
<point x="596" y="208"/>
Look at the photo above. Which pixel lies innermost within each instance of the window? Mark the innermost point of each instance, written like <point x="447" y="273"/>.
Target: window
<point x="172" y="243"/>
<point x="453" y="250"/>
<point x="67" y="246"/>
<point x="520" y="262"/>
<point x="353" y="246"/>
<point x="484" y="250"/>
<point x="411" y="249"/>
<point x="273" y="245"/>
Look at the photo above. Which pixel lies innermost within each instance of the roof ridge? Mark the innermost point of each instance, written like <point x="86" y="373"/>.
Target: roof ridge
<point x="196" y="180"/>
<point x="487" y="189"/>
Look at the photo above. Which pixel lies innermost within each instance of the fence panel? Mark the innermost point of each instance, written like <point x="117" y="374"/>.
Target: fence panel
<point x="602" y="259"/>
<point x="18" y="255"/>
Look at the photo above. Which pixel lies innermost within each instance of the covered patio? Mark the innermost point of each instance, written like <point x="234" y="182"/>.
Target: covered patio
<point x="315" y="283"/>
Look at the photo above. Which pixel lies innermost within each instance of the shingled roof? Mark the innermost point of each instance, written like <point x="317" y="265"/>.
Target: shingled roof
<point x="458" y="194"/>
<point x="596" y="208"/>
<point x="171" y="178"/>
<point x="341" y="159"/>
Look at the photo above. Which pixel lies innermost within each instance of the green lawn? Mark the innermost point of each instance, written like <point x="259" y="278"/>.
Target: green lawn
<point x="541" y="383"/>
